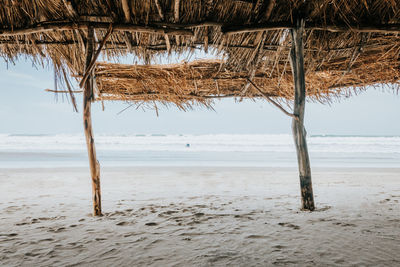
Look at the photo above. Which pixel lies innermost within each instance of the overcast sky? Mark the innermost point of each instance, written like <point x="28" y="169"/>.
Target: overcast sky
<point x="25" y="108"/>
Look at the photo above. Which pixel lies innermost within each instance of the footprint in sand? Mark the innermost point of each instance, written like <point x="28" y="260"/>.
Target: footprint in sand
<point x="293" y="226"/>
<point x="31" y="254"/>
<point x="46" y="240"/>
<point x="256" y="237"/>
<point x="193" y="222"/>
<point x="56" y="230"/>
<point x="279" y="246"/>
<point x="325" y="220"/>
<point x="9" y="235"/>
<point x="200" y="206"/>
<point x="167" y="213"/>
<point x="344" y="224"/>
<point x="323" y="209"/>
<point x="366" y="231"/>
<point x="21" y="223"/>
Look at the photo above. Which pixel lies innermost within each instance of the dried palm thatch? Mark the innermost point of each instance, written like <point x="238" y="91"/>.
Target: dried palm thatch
<point x="201" y="81"/>
<point x="348" y="43"/>
<point x="188" y="84"/>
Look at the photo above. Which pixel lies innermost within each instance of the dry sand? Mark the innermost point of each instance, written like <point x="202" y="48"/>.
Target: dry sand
<point x="199" y="216"/>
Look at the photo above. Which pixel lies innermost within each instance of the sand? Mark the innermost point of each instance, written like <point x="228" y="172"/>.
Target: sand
<point x="199" y="216"/>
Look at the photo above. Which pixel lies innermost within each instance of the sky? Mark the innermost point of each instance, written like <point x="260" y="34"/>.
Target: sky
<point x="25" y="108"/>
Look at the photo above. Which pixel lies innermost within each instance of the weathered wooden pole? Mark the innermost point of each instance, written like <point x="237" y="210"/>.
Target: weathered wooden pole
<point x="299" y="132"/>
<point x="87" y="122"/>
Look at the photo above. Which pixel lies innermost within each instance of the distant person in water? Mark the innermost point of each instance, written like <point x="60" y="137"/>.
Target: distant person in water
<point x="187" y="145"/>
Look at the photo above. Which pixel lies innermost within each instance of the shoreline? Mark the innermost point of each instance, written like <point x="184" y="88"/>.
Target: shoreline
<point x="267" y="168"/>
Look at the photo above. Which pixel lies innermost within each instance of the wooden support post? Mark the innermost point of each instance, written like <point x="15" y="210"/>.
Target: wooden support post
<point x="87" y="119"/>
<point x="299" y="132"/>
<point x="176" y="19"/>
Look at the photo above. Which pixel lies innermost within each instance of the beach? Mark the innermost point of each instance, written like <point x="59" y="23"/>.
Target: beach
<point x="201" y="216"/>
<point x="149" y="160"/>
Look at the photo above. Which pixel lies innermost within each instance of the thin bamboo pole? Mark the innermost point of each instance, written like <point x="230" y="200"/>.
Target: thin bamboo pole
<point x="273" y="102"/>
<point x="299" y="132"/>
<point x="87" y="119"/>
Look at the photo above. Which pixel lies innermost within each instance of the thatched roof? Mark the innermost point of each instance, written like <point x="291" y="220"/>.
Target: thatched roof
<point x="348" y="43"/>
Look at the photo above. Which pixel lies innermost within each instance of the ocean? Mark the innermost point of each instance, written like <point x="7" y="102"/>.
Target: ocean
<point x="256" y="150"/>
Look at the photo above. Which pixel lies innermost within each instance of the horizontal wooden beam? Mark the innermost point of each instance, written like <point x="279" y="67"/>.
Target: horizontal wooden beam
<point x="382" y="28"/>
<point x="236" y="29"/>
<point x="282" y="25"/>
<point x="139" y="96"/>
<point x="161" y="47"/>
<point x="190" y="25"/>
<point x="67" y="25"/>
<point x="63" y="91"/>
<point x="185" y="29"/>
<point x="123" y="44"/>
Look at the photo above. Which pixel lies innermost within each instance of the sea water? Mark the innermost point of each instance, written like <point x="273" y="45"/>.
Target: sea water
<point x="69" y="150"/>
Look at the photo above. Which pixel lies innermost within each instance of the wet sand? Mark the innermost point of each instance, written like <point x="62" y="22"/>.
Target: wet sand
<point x="199" y="216"/>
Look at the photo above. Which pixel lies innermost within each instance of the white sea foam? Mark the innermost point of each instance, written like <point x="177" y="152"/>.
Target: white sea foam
<point x="200" y="143"/>
<point x="197" y="150"/>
